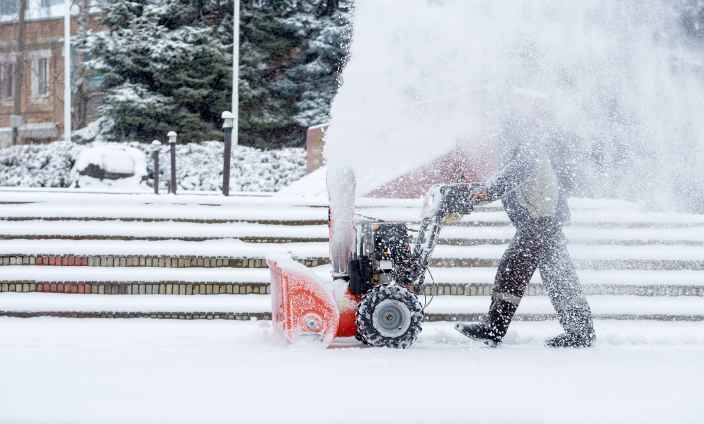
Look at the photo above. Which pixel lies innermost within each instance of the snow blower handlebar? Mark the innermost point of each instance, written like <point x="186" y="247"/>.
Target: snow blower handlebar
<point x="442" y="204"/>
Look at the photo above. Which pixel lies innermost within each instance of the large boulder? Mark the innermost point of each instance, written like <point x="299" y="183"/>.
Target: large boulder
<point x="110" y="165"/>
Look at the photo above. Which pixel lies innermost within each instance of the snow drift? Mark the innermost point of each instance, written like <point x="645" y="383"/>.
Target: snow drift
<point x="110" y="165"/>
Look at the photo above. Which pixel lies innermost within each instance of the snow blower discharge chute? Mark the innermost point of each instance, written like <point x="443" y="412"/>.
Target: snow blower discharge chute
<point x="378" y="271"/>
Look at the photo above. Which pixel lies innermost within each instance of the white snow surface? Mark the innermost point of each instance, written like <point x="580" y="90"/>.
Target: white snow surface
<point x="167" y="229"/>
<point x="219" y="248"/>
<point x="147" y="371"/>
<point x="63" y="195"/>
<point x="133" y="274"/>
<point x="162" y="211"/>
<point x="578" y="234"/>
<point x="478" y="275"/>
<point x="189" y="206"/>
<point x="159" y="229"/>
<point x="113" y="158"/>
<point x="45" y="302"/>
<point x="587" y="276"/>
<point x="240" y="249"/>
<point x="311" y="185"/>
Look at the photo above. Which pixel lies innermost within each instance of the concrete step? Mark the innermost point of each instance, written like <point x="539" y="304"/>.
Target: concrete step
<point x="190" y="261"/>
<point x="235" y="253"/>
<point x="215" y="209"/>
<point x="241" y="287"/>
<point x="73" y="197"/>
<point x="442" y="308"/>
<point x="270" y="219"/>
<point x="187" y="281"/>
<point x="168" y="230"/>
<point x="263" y="233"/>
<point x="146" y="261"/>
<point x="184" y="261"/>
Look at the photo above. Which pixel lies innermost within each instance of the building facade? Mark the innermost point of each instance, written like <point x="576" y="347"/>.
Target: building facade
<point x="42" y="92"/>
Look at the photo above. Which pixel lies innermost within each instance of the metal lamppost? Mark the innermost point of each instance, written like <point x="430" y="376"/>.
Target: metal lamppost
<point x="67" y="70"/>
<point x="236" y="70"/>
<point x="228" y="122"/>
<point x="156" y="146"/>
<point x="172" y="142"/>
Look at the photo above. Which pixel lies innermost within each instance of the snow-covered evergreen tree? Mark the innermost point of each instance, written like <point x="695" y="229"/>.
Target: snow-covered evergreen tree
<point x="163" y="69"/>
<point x="291" y="56"/>
<point x="166" y="64"/>
<point x="317" y="76"/>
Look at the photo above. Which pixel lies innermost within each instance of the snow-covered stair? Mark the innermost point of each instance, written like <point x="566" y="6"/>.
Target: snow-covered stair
<point x="194" y="280"/>
<point x="240" y="254"/>
<point x="445" y="308"/>
<point x="139" y="246"/>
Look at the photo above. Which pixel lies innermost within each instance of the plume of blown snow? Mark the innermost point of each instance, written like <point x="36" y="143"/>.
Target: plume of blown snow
<point x="618" y="79"/>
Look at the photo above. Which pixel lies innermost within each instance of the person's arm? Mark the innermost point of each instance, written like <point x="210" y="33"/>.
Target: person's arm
<point x="510" y="177"/>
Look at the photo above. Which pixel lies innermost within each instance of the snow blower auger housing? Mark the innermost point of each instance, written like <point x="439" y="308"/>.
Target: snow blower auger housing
<point x="378" y="271"/>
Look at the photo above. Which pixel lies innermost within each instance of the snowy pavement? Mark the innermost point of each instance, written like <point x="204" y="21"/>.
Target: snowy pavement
<point x="632" y="307"/>
<point x="148" y="371"/>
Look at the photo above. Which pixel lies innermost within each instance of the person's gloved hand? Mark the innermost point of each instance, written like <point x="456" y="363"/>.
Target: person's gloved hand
<point x="451" y="218"/>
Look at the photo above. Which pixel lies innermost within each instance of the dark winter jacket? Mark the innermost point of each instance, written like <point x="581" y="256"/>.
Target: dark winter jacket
<point x="529" y="187"/>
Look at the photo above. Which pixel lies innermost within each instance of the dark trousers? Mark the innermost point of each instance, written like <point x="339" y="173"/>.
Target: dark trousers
<point x="541" y="245"/>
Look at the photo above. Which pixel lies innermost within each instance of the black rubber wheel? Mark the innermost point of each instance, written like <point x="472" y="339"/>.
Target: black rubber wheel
<point x="389" y="316"/>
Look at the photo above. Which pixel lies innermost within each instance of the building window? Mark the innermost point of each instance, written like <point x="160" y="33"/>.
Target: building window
<point x="43" y="76"/>
<point x="7" y="80"/>
<point x="49" y="3"/>
<point x="40" y="77"/>
<point x="9" y="7"/>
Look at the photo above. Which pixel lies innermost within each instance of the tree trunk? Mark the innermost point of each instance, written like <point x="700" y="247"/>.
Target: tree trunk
<point x="82" y="95"/>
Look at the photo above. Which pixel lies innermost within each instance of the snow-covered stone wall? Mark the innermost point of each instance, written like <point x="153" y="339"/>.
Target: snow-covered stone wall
<point x="199" y="166"/>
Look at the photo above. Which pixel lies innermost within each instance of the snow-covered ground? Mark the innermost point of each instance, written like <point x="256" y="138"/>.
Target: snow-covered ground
<point x="675" y="308"/>
<point x="145" y="371"/>
<point x="155" y="371"/>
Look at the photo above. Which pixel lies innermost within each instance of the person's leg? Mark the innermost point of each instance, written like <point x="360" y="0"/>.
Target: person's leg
<point x="515" y="270"/>
<point x="565" y="291"/>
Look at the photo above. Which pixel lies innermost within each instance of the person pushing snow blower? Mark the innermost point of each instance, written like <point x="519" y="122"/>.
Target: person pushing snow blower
<point x="534" y="196"/>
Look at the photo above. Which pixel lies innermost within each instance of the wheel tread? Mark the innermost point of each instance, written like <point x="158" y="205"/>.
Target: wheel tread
<point x="365" y="328"/>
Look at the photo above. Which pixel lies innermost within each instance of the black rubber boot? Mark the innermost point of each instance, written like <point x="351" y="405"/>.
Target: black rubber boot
<point x="566" y="340"/>
<point x="480" y="332"/>
<point x="493" y="329"/>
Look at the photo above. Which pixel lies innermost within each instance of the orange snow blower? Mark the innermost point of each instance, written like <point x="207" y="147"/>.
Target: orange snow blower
<point x="378" y="270"/>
